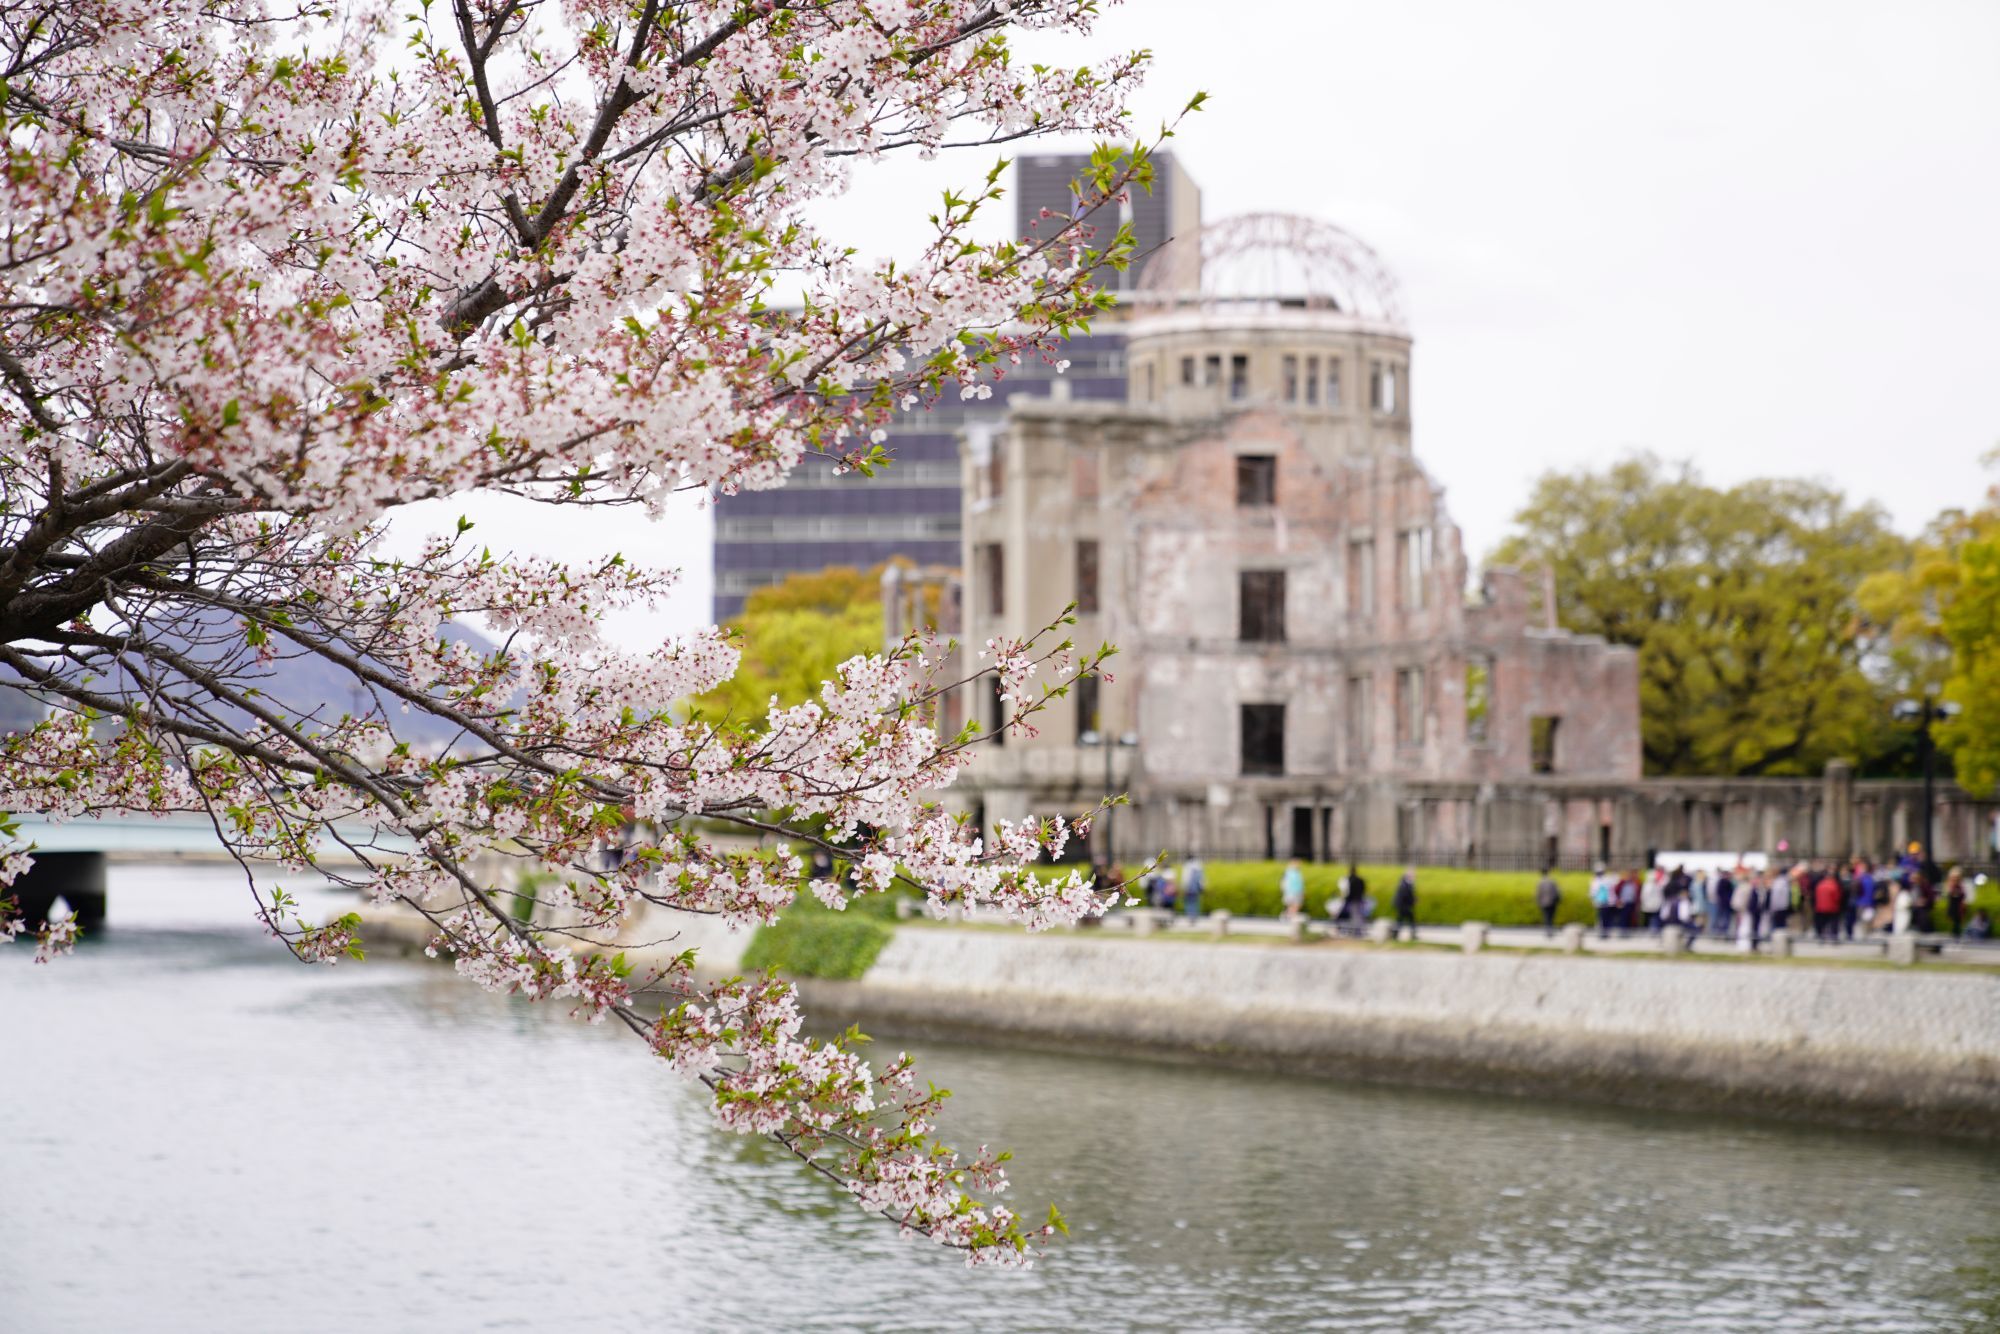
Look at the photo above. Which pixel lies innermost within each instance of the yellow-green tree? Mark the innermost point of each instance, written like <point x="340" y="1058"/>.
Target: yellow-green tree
<point x="1740" y="600"/>
<point x="1941" y="612"/>
<point x="1910" y="604"/>
<point x="1955" y="602"/>
<point x="794" y="634"/>
<point x="1972" y="627"/>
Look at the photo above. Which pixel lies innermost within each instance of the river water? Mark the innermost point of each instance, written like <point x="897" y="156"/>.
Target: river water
<point x="197" y="1133"/>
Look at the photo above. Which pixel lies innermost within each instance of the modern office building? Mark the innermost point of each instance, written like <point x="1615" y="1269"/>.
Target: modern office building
<point x="911" y="509"/>
<point x="1170" y="209"/>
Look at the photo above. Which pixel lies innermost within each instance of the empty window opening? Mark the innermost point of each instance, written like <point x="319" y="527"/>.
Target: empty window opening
<point x="1291" y="377"/>
<point x="1542" y="729"/>
<point x="1187" y="370"/>
<point x="1211" y="370"/>
<point x="1478" y="698"/>
<point x="1086" y="577"/>
<point x="986" y="474"/>
<point x="1361" y="579"/>
<point x="1409" y="829"/>
<point x="1302" y="833"/>
<point x="996" y="711"/>
<point x="1085" y="692"/>
<point x="1261" y="597"/>
<point x="1382" y="387"/>
<point x="1239" y="377"/>
<point x="1312" y="379"/>
<point x="1413" y="561"/>
<point x="1150" y="393"/>
<point x="1263" y="737"/>
<point x="1333" y="382"/>
<point x="1410" y="708"/>
<point x="1360" y="719"/>
<point x="1256" y="479"/>
<point x="993" y="577"/>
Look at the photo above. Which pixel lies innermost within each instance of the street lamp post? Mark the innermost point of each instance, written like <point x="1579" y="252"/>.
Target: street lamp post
<point x="1127" y="740"/>
<point x="1924" y="712"/>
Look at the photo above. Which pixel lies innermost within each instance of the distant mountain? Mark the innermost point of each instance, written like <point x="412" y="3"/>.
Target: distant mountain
<point x="297" y="685"/>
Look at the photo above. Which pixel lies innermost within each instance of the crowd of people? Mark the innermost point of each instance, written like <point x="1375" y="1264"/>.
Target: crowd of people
<point x="1834" y="901"/>
<point x="1350" y="910"/>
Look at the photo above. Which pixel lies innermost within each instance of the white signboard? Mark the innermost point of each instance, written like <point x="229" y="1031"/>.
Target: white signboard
<point x="1711" y="861"/>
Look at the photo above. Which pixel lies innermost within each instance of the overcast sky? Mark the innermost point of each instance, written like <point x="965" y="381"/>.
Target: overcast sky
<point x="1764" y="237"/>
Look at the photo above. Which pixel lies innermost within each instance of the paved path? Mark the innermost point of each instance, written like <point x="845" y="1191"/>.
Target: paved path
<point x="1941" y="948"/>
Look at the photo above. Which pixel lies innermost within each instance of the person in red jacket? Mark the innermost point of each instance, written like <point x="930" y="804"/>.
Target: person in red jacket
<point x="1826" y="906"/>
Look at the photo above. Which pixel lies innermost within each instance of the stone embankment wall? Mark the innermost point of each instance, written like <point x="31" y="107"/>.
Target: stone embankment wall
<point x="1856" y="1045"/>
<point x="1849" y="1044"/>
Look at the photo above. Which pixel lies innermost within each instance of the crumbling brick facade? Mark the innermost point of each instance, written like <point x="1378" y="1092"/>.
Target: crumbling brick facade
<point x="1306" y="667"/>
<point x="1288" y="593"/>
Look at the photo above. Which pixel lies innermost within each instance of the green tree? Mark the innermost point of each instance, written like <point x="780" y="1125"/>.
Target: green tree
<point x="1740" y="600"/>
<point x="1972" y="623"/>
<point x="1966" y="608"/>
<point x="1909" y="605"/>
<point x="794" y="634"/>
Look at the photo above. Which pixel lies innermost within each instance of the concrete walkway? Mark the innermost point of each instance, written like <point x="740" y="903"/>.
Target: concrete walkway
<point x="1872" y="949"/>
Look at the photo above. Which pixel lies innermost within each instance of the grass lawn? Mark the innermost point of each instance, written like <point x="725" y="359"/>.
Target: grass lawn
<point x="1446" y="895"/>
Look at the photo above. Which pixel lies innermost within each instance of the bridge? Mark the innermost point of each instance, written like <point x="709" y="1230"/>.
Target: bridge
<point x="70" y="855"/>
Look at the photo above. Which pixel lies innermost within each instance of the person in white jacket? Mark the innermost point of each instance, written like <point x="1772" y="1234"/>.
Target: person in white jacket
<point x="1906" y="907"/>
<point x="1652" y="898"/>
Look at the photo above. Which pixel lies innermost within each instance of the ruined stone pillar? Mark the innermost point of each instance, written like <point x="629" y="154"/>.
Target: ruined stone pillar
<point x="1837" y="798"/>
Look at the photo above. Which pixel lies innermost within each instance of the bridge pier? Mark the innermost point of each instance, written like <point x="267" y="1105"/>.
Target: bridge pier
<point x="75" y="877"/>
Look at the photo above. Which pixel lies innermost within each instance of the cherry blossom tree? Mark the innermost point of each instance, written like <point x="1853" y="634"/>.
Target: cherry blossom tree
<point x="275" y="273"/>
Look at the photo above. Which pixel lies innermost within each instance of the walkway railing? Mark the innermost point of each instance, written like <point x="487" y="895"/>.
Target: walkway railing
<point x="1473" y="937"/>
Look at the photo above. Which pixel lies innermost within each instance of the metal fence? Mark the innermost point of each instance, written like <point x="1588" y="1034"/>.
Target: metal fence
<point x="1470" y="859"/>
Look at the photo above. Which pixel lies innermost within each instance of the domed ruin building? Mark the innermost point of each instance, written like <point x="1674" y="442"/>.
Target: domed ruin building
<point x="1304" y="668"/>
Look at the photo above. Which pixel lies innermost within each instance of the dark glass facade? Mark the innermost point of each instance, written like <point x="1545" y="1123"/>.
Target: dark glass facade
<point x="911" y="508"/>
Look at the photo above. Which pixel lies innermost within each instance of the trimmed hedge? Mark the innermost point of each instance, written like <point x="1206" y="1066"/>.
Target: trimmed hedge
<point x="1446" y="895"/>
<point x="811" y="941"/>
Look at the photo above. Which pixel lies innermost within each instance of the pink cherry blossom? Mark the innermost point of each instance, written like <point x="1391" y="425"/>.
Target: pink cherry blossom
<point x="275" y="273"/>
